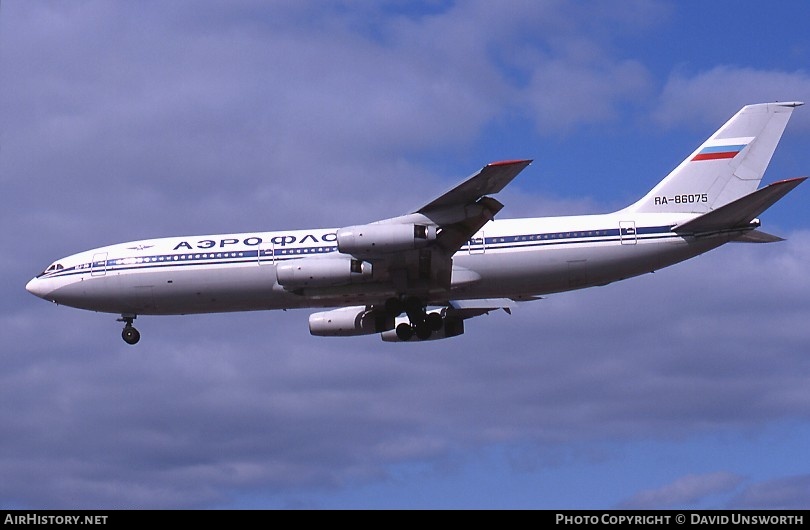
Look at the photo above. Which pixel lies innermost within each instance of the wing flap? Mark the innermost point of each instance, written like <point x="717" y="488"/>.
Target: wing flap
<point x="452" y="236"/>
<point x="472" y="308"/>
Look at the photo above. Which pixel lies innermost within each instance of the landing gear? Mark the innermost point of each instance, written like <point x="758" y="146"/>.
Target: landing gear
<point x="404" y="332"/>
<point x="422" y="324"/>
<point x="129" y="334"/>
<point x="393" y="307"/>
<point x="422" y="330"/>
<point x="434" y="321"/>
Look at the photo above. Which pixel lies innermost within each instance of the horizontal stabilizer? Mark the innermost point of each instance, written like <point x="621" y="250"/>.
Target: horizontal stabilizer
<point x="758" y="236"/>
<point x="739" y="213"/>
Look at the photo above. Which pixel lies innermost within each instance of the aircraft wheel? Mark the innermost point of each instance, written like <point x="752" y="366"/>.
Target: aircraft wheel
<point x="130" y="335"/>
<point x="413" y="306"/>
<point x="393" y="307"/>
<point x="434" y="321"/>
<point x="404" y="332"/>
<point x="423" y="331"/>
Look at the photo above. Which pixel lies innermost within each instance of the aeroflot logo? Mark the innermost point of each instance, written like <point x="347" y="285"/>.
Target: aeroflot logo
<point x="255" y="241"/>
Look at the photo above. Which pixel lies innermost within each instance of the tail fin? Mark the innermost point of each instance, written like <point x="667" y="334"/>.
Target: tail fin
<point x="727" y="166"/>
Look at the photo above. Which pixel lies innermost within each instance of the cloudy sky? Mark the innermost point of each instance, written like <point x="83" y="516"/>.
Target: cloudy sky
<point x="127" y="120"/>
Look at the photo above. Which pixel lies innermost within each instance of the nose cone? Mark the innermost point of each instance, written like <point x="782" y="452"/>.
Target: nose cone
<point x="37" y="287"/>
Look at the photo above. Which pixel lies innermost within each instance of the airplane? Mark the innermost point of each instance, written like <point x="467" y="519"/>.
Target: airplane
<point x="421" y="275"/>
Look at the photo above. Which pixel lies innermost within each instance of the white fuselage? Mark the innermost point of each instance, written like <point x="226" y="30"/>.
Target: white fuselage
<point x="513" y="258"/>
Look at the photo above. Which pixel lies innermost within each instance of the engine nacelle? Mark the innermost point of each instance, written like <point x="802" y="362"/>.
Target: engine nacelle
<point x="381" y="238"/>
<point x="321" y="272"/>
<point x="348" y="322"/>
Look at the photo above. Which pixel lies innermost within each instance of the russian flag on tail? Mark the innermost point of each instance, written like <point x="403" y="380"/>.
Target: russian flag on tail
<point x="718" y="152"/>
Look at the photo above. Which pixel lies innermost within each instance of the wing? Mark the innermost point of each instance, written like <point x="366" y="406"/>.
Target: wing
<point x="406" y="264"/>
<point x="462" y="211"/>
<point x="491" y="179"/>
<point x="413" y="253"/>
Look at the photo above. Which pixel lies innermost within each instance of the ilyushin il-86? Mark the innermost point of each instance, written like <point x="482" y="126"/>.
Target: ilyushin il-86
<point x="421" y="275"/>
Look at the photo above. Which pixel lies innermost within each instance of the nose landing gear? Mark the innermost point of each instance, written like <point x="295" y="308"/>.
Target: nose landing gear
<point x="129" y="334"/>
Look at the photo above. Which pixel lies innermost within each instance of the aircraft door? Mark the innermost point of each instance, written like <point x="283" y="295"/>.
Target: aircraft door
<point x="99" y="265"/>
<point x="477" y="243"/>
<point x="627" y="232"/>
<point x="267" y="253"/>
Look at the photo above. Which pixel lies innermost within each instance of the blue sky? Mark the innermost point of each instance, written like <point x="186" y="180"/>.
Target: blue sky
<point x="122" y="121"/>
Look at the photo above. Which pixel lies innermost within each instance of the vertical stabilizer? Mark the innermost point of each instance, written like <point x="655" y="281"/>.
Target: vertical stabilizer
<point x="727" y="166"/>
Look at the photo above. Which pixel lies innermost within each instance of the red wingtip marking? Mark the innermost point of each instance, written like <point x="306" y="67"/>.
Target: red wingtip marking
<point x="509" y="162"/>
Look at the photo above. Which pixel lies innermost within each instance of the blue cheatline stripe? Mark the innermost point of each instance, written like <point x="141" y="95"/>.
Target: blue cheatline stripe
<point x="241" y="257"/>
<point x="187" y="259"/>
<point x="501" y="246"/>
<point x="574" y="236"/>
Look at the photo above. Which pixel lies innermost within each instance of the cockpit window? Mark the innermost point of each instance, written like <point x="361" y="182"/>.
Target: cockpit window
<point x="54" y="267"/>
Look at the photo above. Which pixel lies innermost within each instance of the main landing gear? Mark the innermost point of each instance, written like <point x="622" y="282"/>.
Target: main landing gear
<point x="129" y="334"/>
<point x="422" y="324"/>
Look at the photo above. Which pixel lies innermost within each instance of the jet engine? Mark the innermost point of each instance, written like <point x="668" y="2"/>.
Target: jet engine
<point x="381" y="238"/>
<point x="348" y="322"/>
<point x="321" y="272"/>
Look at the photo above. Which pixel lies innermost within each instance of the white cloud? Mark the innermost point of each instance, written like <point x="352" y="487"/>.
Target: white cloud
<point x="711" y="96"/>
<point x="564" y="95"/>
<point x="133" y="97"/>
<point x="684" y="491"/>
<point x="784" y="493"/>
